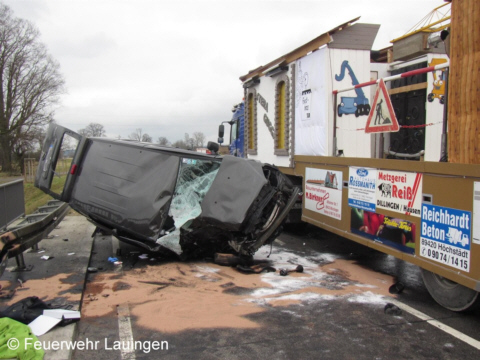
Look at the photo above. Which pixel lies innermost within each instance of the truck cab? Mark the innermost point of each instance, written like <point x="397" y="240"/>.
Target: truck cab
<point x="236" y="146"/>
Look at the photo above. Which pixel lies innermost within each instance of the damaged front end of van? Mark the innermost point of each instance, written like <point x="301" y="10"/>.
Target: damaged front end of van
<point x="164" y="199"/>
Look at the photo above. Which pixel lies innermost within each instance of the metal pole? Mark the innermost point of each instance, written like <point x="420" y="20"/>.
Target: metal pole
<point x="334" y="149"/>
<point x="444" y="150"/>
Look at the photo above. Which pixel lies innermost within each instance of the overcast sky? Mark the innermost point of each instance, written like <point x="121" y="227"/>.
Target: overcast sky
<point x="172" y="67"/>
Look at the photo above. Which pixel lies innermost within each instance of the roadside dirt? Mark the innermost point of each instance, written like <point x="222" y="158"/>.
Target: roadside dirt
<point x="57" y="288"/>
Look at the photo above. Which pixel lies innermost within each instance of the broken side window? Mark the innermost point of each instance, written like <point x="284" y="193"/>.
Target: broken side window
<point x="194" y="180"/>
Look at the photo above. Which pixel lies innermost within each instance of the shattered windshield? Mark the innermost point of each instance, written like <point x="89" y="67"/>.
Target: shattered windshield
<point x="194" y="180"/>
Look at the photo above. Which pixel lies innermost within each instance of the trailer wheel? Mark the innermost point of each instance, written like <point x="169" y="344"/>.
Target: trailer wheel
<point x="450" y="294"/>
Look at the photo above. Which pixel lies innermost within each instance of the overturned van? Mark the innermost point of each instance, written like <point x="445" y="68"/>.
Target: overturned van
<point x="164" y="199"/>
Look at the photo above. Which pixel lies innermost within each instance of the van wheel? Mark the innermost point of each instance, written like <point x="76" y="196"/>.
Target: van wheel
<point x="450" y="294"/>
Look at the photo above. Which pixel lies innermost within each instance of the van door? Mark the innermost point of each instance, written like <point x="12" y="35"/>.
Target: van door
<point x="59" y="160"/>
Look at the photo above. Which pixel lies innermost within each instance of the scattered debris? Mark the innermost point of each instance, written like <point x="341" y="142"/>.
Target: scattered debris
<point x="92" y="269"/>
<point x="393" y="310"/>
<point x="255" y="269"/>
<point x="65" y="239"/>
<point x="397" y="288"/>
<point x="112" y="259"/>
<point x="46" y="257"/>
<point x="72" y="253"/>
<point x="50" y="318"/>
<point x="143" y="256"/>
<point x="231" y="260"/>
<point x="7" y="294"/>
<point x="285" y="272"/>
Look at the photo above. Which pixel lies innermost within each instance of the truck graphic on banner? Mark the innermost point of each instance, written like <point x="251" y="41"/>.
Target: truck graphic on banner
<point x="445" y="236"/>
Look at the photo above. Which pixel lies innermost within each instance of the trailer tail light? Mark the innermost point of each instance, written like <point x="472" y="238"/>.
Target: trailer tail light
<point x="73" y="169"/>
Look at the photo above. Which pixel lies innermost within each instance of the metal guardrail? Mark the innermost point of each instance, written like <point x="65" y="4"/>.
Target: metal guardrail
<point x="29" y="232"/>
<point x="12" y="202"/>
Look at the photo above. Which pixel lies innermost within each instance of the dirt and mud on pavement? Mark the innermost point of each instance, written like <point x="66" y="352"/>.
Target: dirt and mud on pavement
<point x="339" y="306"/>
<point x="335" y="308"/>
<point x="175" y="296"/>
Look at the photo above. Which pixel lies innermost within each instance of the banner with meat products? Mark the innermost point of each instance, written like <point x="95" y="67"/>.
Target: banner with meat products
<point x="323" y="192"/>
<point x="399" y="191"/>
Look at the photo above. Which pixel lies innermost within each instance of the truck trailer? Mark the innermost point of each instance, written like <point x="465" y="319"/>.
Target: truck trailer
<point x="397" y="184"/>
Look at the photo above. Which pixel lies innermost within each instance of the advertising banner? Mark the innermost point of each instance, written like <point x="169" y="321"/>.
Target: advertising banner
<point x="399" y="191"/>
<point x="361" y="188"/>
<point x="394" y="232"/>
<point x="323" y="192"/>
<point x="311" y="130"/>
<point x="445" y="236"/>
<point x="476" y="213"/>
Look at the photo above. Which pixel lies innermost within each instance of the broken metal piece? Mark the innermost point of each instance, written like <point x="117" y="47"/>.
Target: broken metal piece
<point x="232" y="260"/>
<point x="391" y="309"/>
<point x="396" y="288"/>
<point x="285" y="272"/>
<point x="255" y="269"/>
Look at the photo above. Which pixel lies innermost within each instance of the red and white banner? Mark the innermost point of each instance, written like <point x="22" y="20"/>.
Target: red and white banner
<point x="399" y="192"/>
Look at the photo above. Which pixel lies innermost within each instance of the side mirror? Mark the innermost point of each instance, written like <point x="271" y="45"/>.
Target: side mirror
<point x="221" y="131"/>
<point x="213" y="147"/>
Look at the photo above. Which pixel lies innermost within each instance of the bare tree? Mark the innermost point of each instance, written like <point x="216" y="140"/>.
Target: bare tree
<point x="189" y="142"/>
<point x="198" y="139"/>
<point x="31" y="83"/>
<point x="93" y="130"/>
<point x="138" y="135"/>
<point x="146" y="138"/>
<point x="162" y="140"/>
<point x="180" y="144"/>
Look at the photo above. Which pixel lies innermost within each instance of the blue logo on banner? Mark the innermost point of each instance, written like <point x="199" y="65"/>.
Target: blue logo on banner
<point x="362" y="172"/>
<point x="446" y="225"/>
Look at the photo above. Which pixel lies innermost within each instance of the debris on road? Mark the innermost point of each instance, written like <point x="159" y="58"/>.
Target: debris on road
<point x="396" y="288"/>
<point x="285" y="272"/>
<point x="178" y="295"/>
<point x="255" y="269"/>
<point x="394" y="310"/>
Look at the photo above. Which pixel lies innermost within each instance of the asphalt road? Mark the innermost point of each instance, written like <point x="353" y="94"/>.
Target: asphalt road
<point x="339" y="307"/>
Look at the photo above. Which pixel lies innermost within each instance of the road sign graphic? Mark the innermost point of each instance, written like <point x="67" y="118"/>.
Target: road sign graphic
<point x="382" y="117"/>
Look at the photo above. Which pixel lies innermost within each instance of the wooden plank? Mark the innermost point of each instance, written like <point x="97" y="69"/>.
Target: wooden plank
<point x="357" y="36"/>
<point x="464" y="87"/>
<point x="408" y="88"/>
